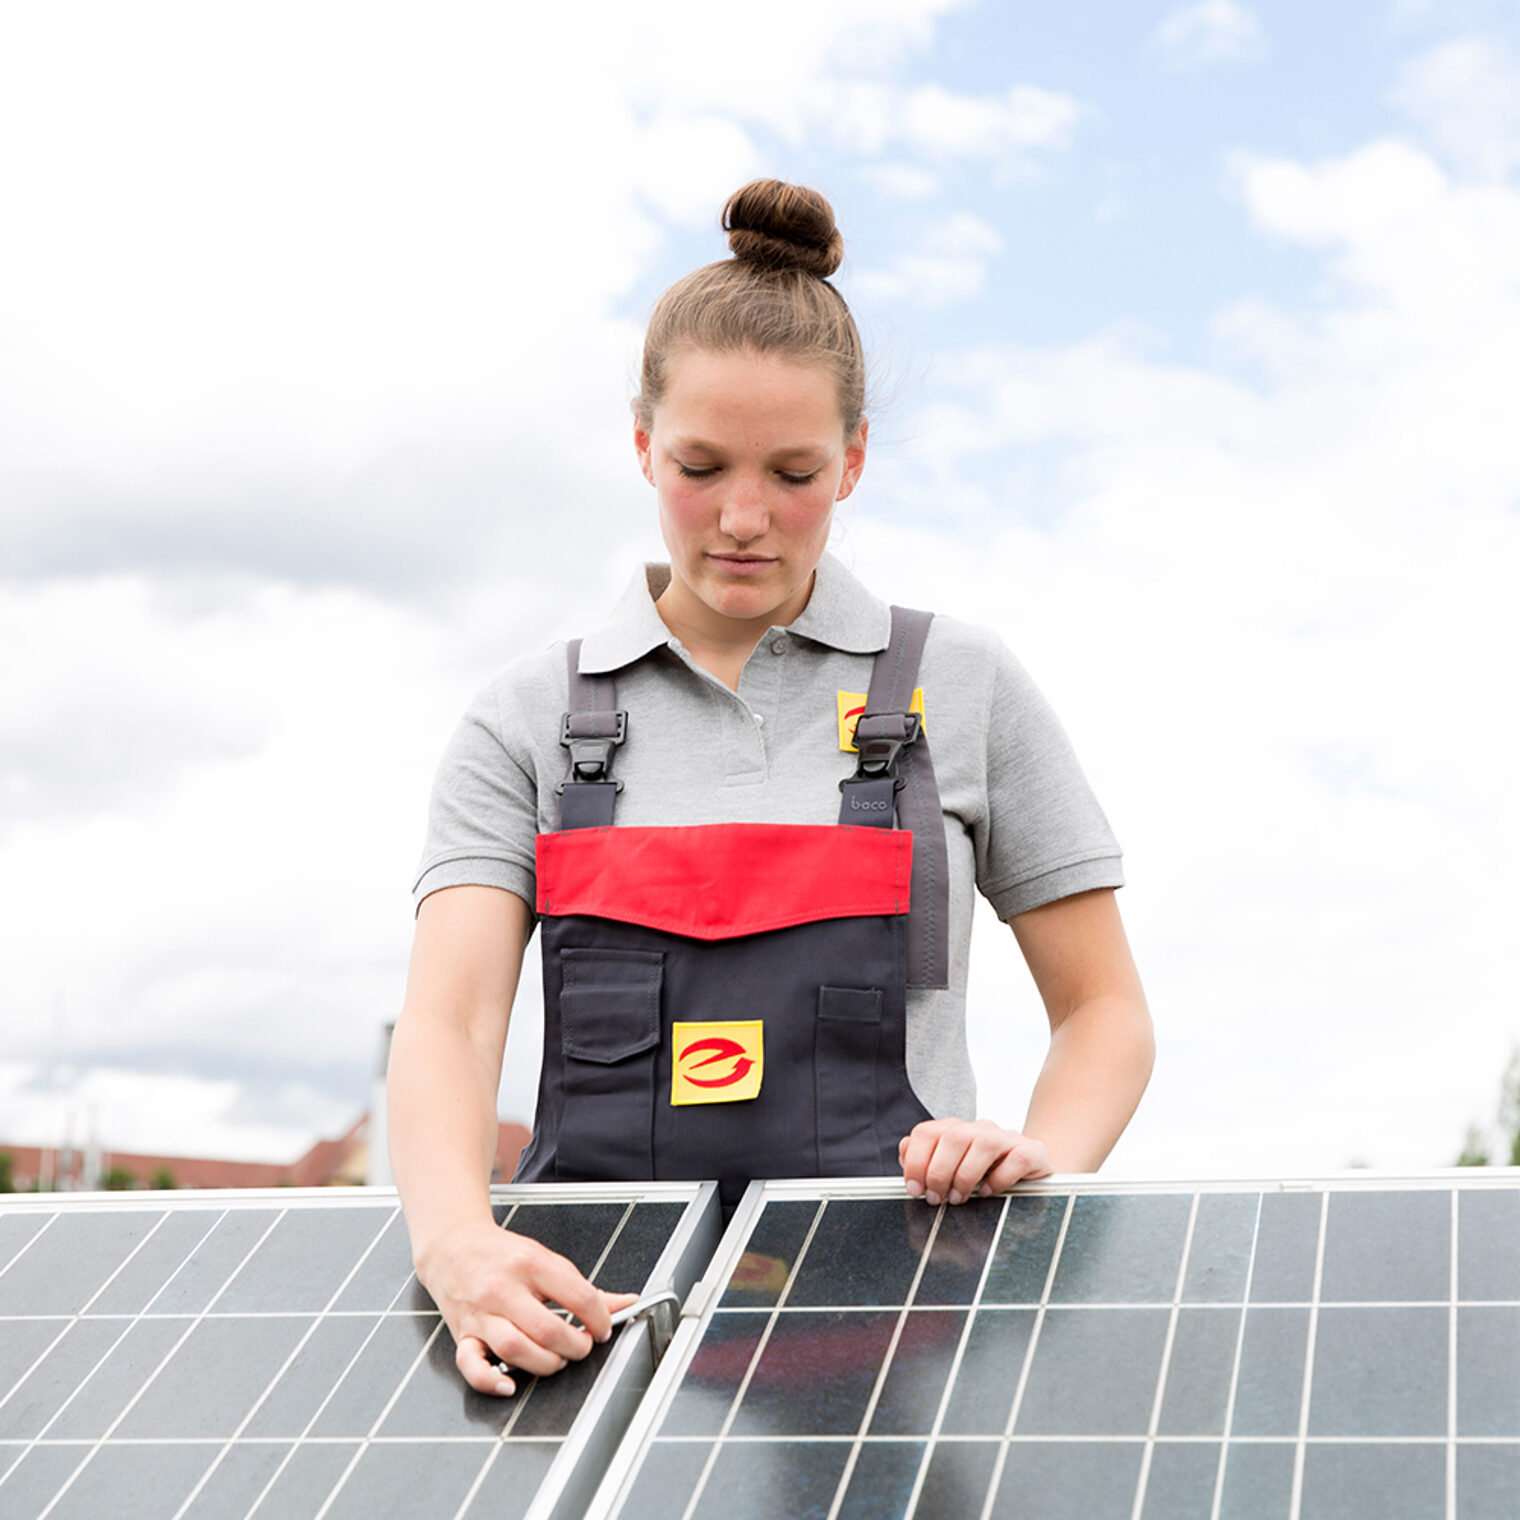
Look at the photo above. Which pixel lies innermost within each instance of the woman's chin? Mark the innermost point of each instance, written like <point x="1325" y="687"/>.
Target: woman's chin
<point x="753" y="597"/>
<point x="754" y="608"/>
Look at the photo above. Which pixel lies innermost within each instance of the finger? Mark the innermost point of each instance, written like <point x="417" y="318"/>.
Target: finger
<point x="612" y="1302"/>
<point x="520" y="1349"/>
<point x="478" y="1366"/>
<point x="984" y="1151"/>
<point x="556" y="1279"/>
<point x="540" y="1326"/>
<point x="939" y="1173"/>
<point x="1027" y="1160"/>
<point x="914" y="1151"/>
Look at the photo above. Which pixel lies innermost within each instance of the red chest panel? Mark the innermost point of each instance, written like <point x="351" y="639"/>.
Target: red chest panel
<point x="723" y="880"/>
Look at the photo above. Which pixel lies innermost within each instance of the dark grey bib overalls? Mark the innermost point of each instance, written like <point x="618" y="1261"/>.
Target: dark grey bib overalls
<point x="729" y="1000"/>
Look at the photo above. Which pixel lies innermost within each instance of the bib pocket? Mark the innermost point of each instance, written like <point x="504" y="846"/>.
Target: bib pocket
<point x="609" y="1013"/>
<point x="847" y="1039"/>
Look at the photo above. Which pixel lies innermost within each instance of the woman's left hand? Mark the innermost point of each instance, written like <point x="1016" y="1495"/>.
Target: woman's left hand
<point x="957" y="1159"/>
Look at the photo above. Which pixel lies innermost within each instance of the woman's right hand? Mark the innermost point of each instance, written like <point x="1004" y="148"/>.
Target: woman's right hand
<point x="492" y="1287"/>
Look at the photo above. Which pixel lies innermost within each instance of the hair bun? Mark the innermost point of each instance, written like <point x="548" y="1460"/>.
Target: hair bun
<point x="781" y="226"/>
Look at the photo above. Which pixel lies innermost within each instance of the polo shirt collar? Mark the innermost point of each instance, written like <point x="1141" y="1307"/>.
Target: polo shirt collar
<point x="840" y="613"/>
<point x="634" y="628"/>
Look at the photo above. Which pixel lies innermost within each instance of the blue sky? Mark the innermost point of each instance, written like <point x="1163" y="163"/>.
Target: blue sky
<point x="1195" y="328"/>
<point x="1136" y="222"/>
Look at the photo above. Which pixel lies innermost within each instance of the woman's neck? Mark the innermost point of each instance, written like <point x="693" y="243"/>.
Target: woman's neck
<point x="718" y="644"/>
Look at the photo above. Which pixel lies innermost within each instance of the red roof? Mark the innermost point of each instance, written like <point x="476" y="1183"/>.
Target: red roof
<point x="327" y="1163"/>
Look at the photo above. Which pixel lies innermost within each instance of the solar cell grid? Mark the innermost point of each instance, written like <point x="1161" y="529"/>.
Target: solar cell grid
<point x="1347" y="1349"/>
<point x="1162" y="1353"/>
<point x="213" y="1362"/>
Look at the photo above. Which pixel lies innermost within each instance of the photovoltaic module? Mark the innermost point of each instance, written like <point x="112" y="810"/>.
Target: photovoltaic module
<point x="1229" y="1352"/>
<point x="216" y="1356"/>
<point x="1222" y="1351"/>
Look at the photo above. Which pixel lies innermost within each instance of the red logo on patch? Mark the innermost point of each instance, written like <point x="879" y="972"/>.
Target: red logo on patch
<point x="850" y="717"/>
<point x="721" y="1050"/>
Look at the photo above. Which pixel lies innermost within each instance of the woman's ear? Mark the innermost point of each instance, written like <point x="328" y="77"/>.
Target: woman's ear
<point x="854" y="460"/>
<point x="642" y="445"/>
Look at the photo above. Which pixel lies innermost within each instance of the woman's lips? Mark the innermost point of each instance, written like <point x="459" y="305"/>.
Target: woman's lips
<point x="738" y="564"/>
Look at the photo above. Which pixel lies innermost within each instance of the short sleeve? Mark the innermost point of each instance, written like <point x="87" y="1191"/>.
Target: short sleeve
<point x="483" y="813"/>
<point x="1044" y="835"/>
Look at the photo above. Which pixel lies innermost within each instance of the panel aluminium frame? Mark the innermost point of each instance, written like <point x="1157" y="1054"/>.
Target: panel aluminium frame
<point x="595" y="1438"/>
<point x="1282" y="1346"/>
<point x="298" y="1280"/>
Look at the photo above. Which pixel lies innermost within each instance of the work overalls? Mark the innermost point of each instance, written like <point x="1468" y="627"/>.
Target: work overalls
<point x="729" y="1000"/>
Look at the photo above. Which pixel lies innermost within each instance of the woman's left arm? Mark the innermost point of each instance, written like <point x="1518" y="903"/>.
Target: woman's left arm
<point x="1100" y="1057"/>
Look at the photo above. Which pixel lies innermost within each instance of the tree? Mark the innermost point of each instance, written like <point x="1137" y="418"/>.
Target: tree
<point x="1476" y="1148"/>
<point x="1509" y="1107"/>
<point x="7" y="1168"/>
<point x="162" y="1178"/>
<point x="117" y="1179"/>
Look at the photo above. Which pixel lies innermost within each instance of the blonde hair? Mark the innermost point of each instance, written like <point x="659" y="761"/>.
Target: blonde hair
<point x="772" y="296"/>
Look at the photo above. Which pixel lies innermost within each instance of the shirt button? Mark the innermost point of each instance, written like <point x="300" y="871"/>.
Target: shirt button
<point x="778" y="646"/>
<point x="759" y="720"/>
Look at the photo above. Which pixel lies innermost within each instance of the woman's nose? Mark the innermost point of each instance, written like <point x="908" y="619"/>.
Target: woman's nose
<point x="745" y="515"/>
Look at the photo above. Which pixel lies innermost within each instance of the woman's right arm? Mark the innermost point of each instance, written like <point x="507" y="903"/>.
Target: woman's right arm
<point x="489" y="1284"/>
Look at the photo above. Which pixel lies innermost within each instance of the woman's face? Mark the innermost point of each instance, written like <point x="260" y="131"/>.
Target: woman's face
<point x="748" y="454"/>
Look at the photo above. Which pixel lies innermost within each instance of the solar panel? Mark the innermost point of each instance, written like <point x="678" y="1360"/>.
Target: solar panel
<point x="1224" y="1351"/>
<point x="222" y="1356"/>
<point x="1229" y="1351"/>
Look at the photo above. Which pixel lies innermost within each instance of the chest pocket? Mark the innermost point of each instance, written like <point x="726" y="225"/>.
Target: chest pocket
<point x="609" y="1039"/>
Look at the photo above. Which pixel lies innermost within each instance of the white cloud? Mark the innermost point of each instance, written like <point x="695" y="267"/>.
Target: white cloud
<point x="898" y="180"/>
<point x="937" y="121"/>
<point x="1425" y="265"/>
<point x="949" y="265"/>
<point x="693" y="59"/>
<point x="1008" y="133"/>
<point x="692" y="163"/>
<point x="1214" y="31"/>
<point x="164" y="1114"/>
<point x="1465" y="94"/>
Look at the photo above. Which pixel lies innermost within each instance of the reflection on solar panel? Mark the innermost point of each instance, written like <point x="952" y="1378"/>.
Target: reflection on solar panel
<point x="1346" y="1349"/>
<point x="206" y="1356"/>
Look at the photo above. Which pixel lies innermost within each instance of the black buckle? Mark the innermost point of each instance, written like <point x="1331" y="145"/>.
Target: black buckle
<point x="878" y="757"/>
<point x="591" y="757"/>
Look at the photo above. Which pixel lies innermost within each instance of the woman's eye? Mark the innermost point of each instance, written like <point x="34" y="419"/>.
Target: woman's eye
<point x="695" y="472"/>
<point x="799" y="480"/>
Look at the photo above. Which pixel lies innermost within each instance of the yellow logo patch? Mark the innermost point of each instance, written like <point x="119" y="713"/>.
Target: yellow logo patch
<point x="716" y="1063"/>
<point x="853" y="703"/>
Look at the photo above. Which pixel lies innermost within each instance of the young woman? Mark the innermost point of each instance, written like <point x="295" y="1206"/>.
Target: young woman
<point x="760" y="968"/>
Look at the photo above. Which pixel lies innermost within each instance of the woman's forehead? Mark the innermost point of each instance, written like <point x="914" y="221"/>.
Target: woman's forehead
<point x="710" y="392"/>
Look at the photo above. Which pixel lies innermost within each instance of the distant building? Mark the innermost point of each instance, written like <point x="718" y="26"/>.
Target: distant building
<point x="343" y="1162"/>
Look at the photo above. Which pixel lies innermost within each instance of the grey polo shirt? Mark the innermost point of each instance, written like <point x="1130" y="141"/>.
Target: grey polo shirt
<point x="1021" y="823"/>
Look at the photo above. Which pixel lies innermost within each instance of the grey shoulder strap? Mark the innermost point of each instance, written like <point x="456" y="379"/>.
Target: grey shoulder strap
<point x="896" y="766"/>
<point x="592" y="729"/>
